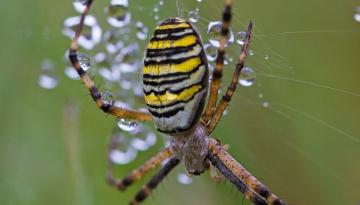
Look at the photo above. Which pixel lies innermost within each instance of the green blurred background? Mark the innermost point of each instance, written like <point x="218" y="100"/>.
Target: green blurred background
<point x="304" y="144"/>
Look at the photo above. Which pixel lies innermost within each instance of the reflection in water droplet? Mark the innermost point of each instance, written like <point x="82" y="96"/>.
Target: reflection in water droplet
<point x="118" y="13"/>
<point x="127" y="125"/>
<point x="214" y="30"/>
<point x="210" y="51"/>
<point x="240" y="37"/>
<point x="183" y="178"/>
<point x="47" y="78"/>
<point x="247" y="77"/>
<point x="194" y="16"/>
<point x="121" y="152"/>
<point x="141" y="30"/>
<point x="84" y="61"/>
<point x="107" y="98"/>
<point x="90" y="35"/>
<point x="79" y="5"/>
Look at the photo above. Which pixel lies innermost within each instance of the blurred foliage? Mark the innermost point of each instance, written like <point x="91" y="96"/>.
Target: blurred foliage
<point x="304" y="145"/>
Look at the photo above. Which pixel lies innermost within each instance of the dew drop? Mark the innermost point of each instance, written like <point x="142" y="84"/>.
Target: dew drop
<point x="357" y="17"/>
<point x="199" y="1"/>
<point x="127" y="125"/>
<point x="184" y="179"/>
<point x="210" y="51"/>
<point x="247" y="77"/>
<point x="71" y="73"/>
<point x="113" y="39"/>
<point x="156" y="8"/>
<point x="84" y="61"/>
<point x="194" y="16"/>
<point x="79" y="5"/>
<point x="214" y="31"/>
<point x="141" y="30"/>
<point x="267" y="57"/>
<point x="251" y="52"/>
<point x="107" y="98"/>
<point x="121" y="152"/>
<point x="265" y="104"/>
<point x="143" y="139"/>
<point x="47" y="78"/>
<point x="261" y="95"/>
<point x="161" y="2"/>
<point x="118" y="13"/>
<point x="90" y="35"/>
<point x="240" y="37"/>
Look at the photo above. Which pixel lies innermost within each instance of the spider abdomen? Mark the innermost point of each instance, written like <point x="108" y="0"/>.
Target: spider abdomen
<point x="175" y="76"/>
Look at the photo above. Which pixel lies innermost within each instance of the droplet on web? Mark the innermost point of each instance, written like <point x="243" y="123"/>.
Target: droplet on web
<point x="90" y="34"/>
<point x="121" y="152"/>
<point x="210" y="51"/>
<point x="194" y="16"/>
<point x="184" y="179"/>
<point x="127" y="125"/>
<point x="47" y="79"/>
<point x="143" y="139"/>
<point x="247" y="77"/>
<point x="141" y="30"/>
<point x="240" y="37"/>
<point x="214" y="32"/>
<point x="118" y="13"/>
<point x="79" y="5"/>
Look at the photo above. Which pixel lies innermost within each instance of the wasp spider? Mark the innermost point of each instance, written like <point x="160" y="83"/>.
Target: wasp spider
<point x="175" y="84"/>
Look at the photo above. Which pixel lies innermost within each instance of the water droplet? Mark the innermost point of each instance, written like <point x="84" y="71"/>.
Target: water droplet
<point x="183" y="178"/>
<point x="127" y="125"/>
<point x="84" y="61"/>
<point x="194" y="16"/>
<point x="161" y="2"/>
<point x="71" y="73"/>
<point x="90" y="35"/>
<point x="121" y="152"/>
<point x="240" y="37"/>
<point x="199" y="1"/>
<point x="210" y="51"/>
<point x="113" y="39"/>
<point x="47" y="78"/>
<point x="79" y="5"/>
<point x="261" y="95"/>
<point x="118" y="13"/>
<point x="214" y="30"/>
<point x="357" y="17"/>
<point x="156" y="17"/>
<point x="267" y="57"/>
<point x="107" y="98"/>
<point x="141" y="30"/>
<point x="247" y="77"/>
<point x="265" y="104"/>
<point x="129" y="58"/>
<point x="143" y="139"/>
<point x="156" y="8"/>
<point x="251" y="52"/>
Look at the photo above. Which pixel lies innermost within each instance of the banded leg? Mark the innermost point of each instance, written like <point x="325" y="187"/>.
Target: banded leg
<point x="160" y="175"/>
<point x="139" y="172"/>
<point x="219" y="63"/>
<point x="232" y="87"/>
<point x="218" y="156"/>
<point x="239" y="184"/>
<point x="90" y="85"/>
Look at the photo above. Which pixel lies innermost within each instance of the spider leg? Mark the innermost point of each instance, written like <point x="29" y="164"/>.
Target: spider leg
<point x="90" y="85"/>
<point x="138" y="173"/>
<point x="245" y="182"/>
<point x="224" y="102"/>
<point x="155" y="180"/>
<point x="219" y="64"/>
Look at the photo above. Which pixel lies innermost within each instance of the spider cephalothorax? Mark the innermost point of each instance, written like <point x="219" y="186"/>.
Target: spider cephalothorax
<point x="175" y="79"/>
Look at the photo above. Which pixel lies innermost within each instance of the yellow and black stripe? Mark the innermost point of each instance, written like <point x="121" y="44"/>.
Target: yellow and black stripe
<point x="175" y="76"/>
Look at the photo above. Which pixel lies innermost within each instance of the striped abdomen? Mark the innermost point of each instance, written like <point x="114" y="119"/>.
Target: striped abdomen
<point x="175" y="76"/>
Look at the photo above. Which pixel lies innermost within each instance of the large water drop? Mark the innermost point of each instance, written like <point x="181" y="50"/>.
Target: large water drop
<point x="247" y="77"/>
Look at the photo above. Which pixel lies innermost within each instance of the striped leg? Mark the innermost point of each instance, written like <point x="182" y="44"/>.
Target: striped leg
<point x="138" y="173"/>
<point x="152" y="184"/>
<point x="246" y="183"/>
<point x="232" y="87"/>
<point x="90" y="85"/>
<point x="219" y="63"/>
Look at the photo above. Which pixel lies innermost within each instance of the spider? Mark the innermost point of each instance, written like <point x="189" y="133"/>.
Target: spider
<point x="175" y="84"/>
